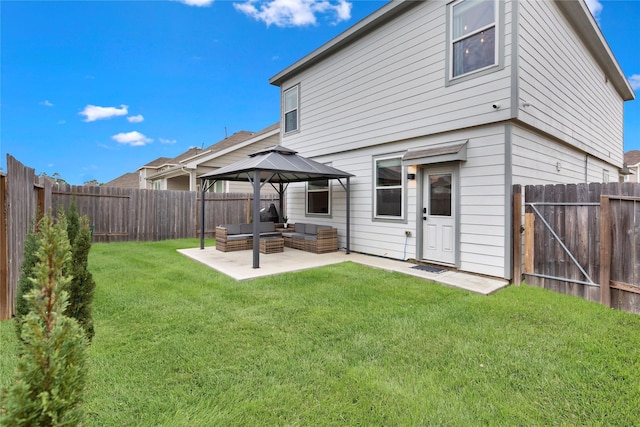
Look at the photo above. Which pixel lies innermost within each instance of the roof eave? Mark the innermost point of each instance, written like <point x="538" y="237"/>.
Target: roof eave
<point x="252" y="140"/>
<point x="170" y="173"/>
<point x="578" y="15"/>
<point x="357" y="31"/>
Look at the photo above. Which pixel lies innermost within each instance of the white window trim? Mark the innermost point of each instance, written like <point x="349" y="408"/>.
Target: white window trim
<point x="402" y="186"/>
<point x="285" y="111"/>
<point x="306" y="199"/>
<point x="451" y="41"/>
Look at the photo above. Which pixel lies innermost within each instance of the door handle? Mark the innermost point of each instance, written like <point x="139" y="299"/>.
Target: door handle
<point x="424" y="218"/>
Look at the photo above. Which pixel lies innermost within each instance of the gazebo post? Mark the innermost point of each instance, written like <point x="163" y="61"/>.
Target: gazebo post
<point x="256" y="218"/>
<point x="202" y="214"/>
<point x="281" y="201"/>
<point x="348" y="248"/>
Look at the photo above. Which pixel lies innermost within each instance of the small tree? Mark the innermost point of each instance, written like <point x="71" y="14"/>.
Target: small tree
<point x="25" y="284"/>
<point x="82" y="285"/>
<point x="73" y="221"/>
<point x="51" y="371"/>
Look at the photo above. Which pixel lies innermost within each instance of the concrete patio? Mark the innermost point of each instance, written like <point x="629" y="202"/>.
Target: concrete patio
<point x="238" y="265"/>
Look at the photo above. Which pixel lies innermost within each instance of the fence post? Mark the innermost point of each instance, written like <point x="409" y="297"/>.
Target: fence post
<point x="605" y="251"/>
<point x="5" y="304"/>
<point x="529" y="248"/>
<point x="517" y="235"/>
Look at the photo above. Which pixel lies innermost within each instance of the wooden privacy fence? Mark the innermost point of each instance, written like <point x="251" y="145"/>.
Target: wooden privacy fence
<point x="581" y="239"/>
<point x="116" y="214"/>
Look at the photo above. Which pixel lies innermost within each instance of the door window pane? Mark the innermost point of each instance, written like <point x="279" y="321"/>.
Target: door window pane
<point x="440" y="195"/>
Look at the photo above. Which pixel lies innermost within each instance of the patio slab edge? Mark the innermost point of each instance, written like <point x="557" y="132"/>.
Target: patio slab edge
<point x="238" y="265"/>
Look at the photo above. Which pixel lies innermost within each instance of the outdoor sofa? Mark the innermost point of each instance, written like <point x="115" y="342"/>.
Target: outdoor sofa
<point x="307" y="237"/>
<point x="239" y="237"/>
<point x="314" y="238"/>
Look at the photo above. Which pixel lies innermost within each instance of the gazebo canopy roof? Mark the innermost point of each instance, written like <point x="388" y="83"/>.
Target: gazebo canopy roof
<point x="276" y="164"/>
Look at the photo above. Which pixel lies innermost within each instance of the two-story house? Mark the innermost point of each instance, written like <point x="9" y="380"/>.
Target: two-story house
<point x="438" y="108"/>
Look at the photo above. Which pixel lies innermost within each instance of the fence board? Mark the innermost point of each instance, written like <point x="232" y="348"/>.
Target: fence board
<point x="21" y="205"/>
<point x="5" y="304"/>
<point x="116" y="215"/>
<point x="579" y="227"/>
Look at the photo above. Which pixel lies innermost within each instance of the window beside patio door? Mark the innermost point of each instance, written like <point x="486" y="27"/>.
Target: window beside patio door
<point x="318" y="198"/>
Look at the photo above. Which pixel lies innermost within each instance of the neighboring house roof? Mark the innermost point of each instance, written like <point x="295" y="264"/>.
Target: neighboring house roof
<point x="128" y="180"/>
<point x="192" y="158"/>
<point x="632" y="158"/>
<point x="156" y="163"/>
<point x="575" y="11"/>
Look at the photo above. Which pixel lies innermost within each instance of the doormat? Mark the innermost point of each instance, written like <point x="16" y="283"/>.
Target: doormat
<point x="429" y="268"/>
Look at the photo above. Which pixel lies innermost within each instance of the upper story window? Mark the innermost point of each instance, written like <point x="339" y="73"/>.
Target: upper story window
<point x="291" y="101"/>
<point x="389" y="189"/>
<point x="319" y="197"/>
<point x="472" y="35"/>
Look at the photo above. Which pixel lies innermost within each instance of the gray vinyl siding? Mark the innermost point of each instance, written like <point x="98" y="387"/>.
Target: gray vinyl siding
<point x="535" y="158"/>
<point x="482" y="203"/>
<point x="569" y="94"/>
<point x="390" y="85"/>
<point x="482" y="207"/>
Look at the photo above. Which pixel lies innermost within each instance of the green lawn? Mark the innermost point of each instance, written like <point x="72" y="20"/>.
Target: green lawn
<point x="178" y="344"/>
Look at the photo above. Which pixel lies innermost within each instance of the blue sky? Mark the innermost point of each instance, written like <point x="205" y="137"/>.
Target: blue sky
<point x="95" y="89"/>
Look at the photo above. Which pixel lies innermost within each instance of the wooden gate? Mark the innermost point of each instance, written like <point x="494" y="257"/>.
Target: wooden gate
<point x="582" y="240"/>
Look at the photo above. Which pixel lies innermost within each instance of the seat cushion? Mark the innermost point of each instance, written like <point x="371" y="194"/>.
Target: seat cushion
<point x="271" y="234"/>
<point x="232" y="229"/>
<point x="235" y="237"/>
<point x="299" y="227"/>
<point x="246" y="228"/>
<point x="310" y="229"/>
<point x="293" y="235"/>
<point x="266" y="227"/>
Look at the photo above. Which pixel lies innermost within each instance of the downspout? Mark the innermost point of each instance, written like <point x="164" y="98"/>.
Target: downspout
<point x="586" y="168"/>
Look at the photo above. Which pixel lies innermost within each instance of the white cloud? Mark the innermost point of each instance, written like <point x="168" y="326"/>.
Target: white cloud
<point x="595" y="7"/>
<point x="167" y="141"/>
<point x="294" y="13"/>
<point x="46" y="103"/>
<point x="134" y="139"/>
<point x="62" y="122"/>
<point x="634" y="80"/>
<point x="197" y="3"/>
<point x="93" y="112"/>
<point x="135" y="119"/>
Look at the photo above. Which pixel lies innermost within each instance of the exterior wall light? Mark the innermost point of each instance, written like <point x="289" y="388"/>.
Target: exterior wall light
<point x="411" y="173"/>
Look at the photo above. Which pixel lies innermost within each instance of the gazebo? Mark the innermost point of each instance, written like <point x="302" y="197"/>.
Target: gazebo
<point x="277" y="166"/>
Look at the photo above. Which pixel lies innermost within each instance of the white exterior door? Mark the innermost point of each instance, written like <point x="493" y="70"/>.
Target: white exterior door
<point x="438" y="215"/>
